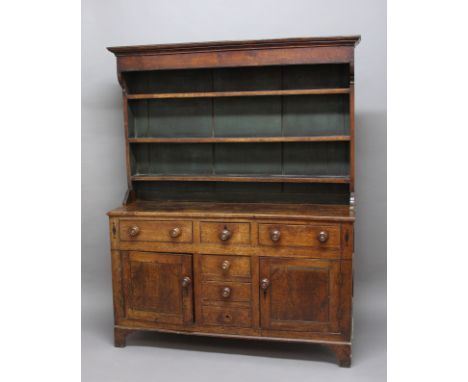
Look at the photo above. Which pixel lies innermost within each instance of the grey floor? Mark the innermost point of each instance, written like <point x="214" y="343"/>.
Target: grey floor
<point x="154" y="356"/>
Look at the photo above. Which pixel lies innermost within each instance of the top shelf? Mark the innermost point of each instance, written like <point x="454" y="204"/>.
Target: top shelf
<point x="257" y="93"/>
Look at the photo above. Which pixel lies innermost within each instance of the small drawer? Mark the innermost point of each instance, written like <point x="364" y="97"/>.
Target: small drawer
<point x="225" y="233"/>
<point x="226" y="291"/>
<point x="156" y="230"/>
<point x="215" y="267"/>
<point x="240" y="317"/>
<point x="300" y="235"/>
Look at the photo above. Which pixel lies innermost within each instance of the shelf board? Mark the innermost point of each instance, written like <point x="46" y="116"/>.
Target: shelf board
<point x="256" y="93"/>
<point x="334" y="138"/>
<point x="242" y="178"/>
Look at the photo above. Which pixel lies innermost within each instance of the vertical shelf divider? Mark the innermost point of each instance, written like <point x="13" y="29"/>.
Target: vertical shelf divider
<point x="213" y="130"/>
<point x="282" y="126"/>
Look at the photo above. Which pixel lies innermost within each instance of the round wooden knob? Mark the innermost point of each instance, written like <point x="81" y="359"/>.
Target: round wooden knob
<point x="275" y="235"/>
<point x="186" y="281"/>
<point x="323" y="236"/>
<point x="226" y="292"/>
<point x="133" y="231"/>
<point x="225" y="234"/>
<point x="175" y="232"/>
<point x="225" y="265"/>
<point x="264" y="284"/>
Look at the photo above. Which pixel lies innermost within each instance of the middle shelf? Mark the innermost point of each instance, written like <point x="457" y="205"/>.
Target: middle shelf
<point x="309" y="117"/>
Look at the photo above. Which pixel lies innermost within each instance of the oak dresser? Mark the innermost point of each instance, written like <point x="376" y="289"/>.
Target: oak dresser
<point x="238" y="219"/>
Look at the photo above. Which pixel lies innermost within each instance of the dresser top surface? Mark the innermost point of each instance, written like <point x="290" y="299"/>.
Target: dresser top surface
<point x="235" y="210"/>
<point x="236" y="45"/>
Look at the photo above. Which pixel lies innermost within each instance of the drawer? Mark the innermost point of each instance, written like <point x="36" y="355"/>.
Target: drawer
<point x="215" y="267"/>
<point x="226" y="291"/>
<point x="176" y="231"/>
<point x="300" y="235"/>
<point x="225" y="233"/>
<point x="240" y="317"/>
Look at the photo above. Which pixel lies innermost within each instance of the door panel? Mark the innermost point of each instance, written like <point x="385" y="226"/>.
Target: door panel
<point x="153" y="287"/>
<point x="301" y="295"/>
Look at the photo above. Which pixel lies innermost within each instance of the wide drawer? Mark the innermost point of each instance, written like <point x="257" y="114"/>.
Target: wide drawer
<point x="226" y="291"/>
<point x="300" y="235"/>
<point x="225" y="233"/>
<point x="240" y="317"/>
<point x="178" y="231"/>
<point x="216" y="267"/>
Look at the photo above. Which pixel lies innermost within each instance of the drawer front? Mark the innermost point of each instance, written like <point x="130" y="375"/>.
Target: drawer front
<point x="226" y="291"/>
<point x="300" y="235"/>
<point x="240" y="317"/>
<point x="215" y="267"/>
<point x="225" y="233"/>
<point x="177" y="231"/>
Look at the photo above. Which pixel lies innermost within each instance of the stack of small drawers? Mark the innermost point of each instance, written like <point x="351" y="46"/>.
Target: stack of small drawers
<point x="226" y="290"/>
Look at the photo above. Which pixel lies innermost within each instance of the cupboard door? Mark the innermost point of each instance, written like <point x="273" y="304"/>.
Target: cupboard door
<point x="299" y="294"/>
<point x="158" y="287"/>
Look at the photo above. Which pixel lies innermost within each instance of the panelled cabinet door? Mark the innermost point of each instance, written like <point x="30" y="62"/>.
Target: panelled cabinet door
<point x="299" y="294"/>
<point x="158" y="287"/>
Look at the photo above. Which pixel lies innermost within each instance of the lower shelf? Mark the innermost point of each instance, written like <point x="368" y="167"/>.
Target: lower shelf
<point x="242" y="178"/>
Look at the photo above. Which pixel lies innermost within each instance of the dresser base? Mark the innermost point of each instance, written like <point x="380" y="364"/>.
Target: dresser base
<point x="270" y="272"/>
